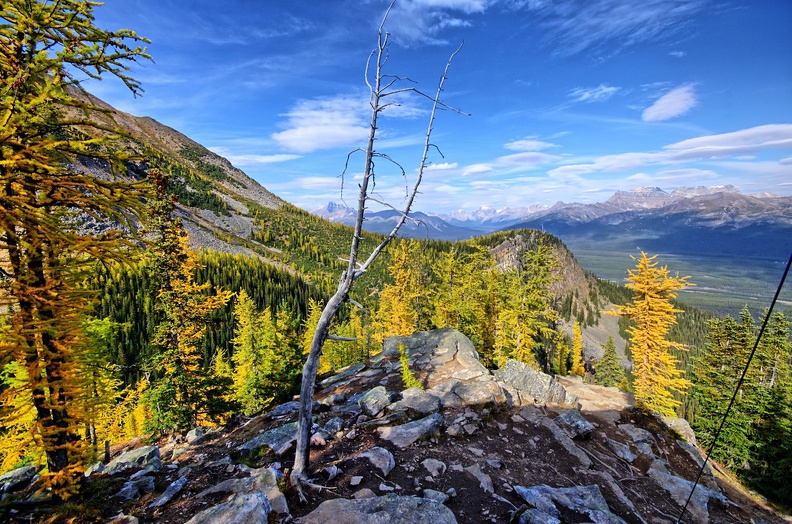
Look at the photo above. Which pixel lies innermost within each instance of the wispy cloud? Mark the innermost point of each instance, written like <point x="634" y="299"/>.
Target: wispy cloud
<point x="420" y="22"/>
<point x="672" y="104"/>
<point x="576" y="26"/>
<point x="242" y="160"/>
<point x="703" y="148"/>
<point x="593" y="94"/>
<point x="529" y="144"/>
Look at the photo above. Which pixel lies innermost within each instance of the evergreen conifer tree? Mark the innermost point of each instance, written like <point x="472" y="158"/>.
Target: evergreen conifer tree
<point x="183" y="391"/>
<point x="609" y="370"/>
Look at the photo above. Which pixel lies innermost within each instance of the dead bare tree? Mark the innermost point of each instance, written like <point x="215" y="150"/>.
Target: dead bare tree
<point x="381" y="87"/>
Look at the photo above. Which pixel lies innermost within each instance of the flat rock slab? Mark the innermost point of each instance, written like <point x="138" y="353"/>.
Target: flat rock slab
<point x="416" y="400"/>
<point x="136" y="458"/>
<point x="343" y="374"/>
<point x="278" y="439"/>
<point x="252" y="508"/>
<point x="388" y="509"/>
<point x="586" y="503"/>
<point x="407" y="434"/>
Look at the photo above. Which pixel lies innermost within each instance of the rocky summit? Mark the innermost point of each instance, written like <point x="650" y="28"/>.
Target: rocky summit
<point x="470" y="446"/>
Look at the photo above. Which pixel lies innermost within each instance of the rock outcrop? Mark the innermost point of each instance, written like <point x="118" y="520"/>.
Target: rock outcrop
<point x="514" y="445"/>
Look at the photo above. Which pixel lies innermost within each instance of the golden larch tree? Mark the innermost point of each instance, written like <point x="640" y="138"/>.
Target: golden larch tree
<point x="656" y="371"/>
<point x="44" y="130"/>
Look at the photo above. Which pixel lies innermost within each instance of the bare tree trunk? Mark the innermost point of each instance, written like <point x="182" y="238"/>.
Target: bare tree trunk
<point x="354" y="270"/>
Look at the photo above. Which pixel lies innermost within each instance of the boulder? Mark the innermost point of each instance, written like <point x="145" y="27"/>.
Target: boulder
<point x="333" y="426"/>
<point x="342" y="374"/>
<point x="374" y="401"/>
<point x="562" y="438"/>
<point x="287" y="408"/>
<point x="642" y="439"/>
<point x="382" y="510"/>
<point x="172" y="490"/>
<point x="438" y="356"/>
<point x="680" y="490"/>
<point x="406" y="434"/>
<point x="481" y="393"/>
<point x="136" y="458"/>
<point x="250" y="508"/>
<point x="437" y="496"/>
<point x="134" y="488"/>
<point x="196" y="435"/>
<point x="621" y="450"/>
<point x="574" y="424"/>
<point x="278" y="439"/>
<point x="416" y="401"/>
<point x="17" y="479"/>
<point x="434" y="467"/>
<point x="681" y="427"/>
<point x="533" y="384"/>
<point x="575" y="504"/>
<point x="380" y="458"/>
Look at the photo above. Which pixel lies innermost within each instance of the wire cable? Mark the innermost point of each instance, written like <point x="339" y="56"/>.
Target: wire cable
<point x="737" y="389"/>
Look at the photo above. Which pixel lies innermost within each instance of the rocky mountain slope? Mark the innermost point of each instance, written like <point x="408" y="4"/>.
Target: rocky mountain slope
<point x="472" y="446"/>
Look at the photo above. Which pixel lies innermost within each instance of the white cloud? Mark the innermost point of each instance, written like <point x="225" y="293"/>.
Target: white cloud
<point x="703" y="148"/>
<point x="786" y="161"/>
<point x="766" y="136"/>
<point x="529" y="144"/>
<point x="252" y="160"/>
<point x="442" y="167"/>
<point x="324" y="124"/>
<point x="593" y="94"/>
<point x="678" y="54"/>
<point x="528" y="159"/>
<point x="672" y="104"/>
<point x="420" y="22"/>
<point x="477" y="169"/>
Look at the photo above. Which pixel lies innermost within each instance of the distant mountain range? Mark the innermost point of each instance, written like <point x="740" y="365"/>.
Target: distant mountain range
<point x="711" y="208"/>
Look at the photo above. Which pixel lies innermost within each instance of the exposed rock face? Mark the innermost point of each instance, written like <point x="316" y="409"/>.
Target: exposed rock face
<point x="135" y="458"/>
<point x="550" y="505"/>
<point x="534" y="386"/>
<point x="388" y="509"/>
<point x="462" y="447"/>
<point x="252" y="508"/>
<point x="16" y="478"/>
<point x="278" y="439"/>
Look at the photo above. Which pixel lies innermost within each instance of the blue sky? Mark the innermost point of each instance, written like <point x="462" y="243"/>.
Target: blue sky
<point x="568" y="100"/>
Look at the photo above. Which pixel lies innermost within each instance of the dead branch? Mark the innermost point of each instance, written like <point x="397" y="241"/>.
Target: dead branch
<point x="354" y="269"/>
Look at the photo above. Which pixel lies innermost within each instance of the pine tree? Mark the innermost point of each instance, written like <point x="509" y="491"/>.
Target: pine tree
<point x="183" y="392"/>
<point x="42" y="195"/>
<point x="657" y="376"/>
<point x="609" y="370"/>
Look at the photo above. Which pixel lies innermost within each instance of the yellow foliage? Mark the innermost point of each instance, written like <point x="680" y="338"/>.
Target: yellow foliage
<point x="577" y="351"/>
<point x="657" y="376"/>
